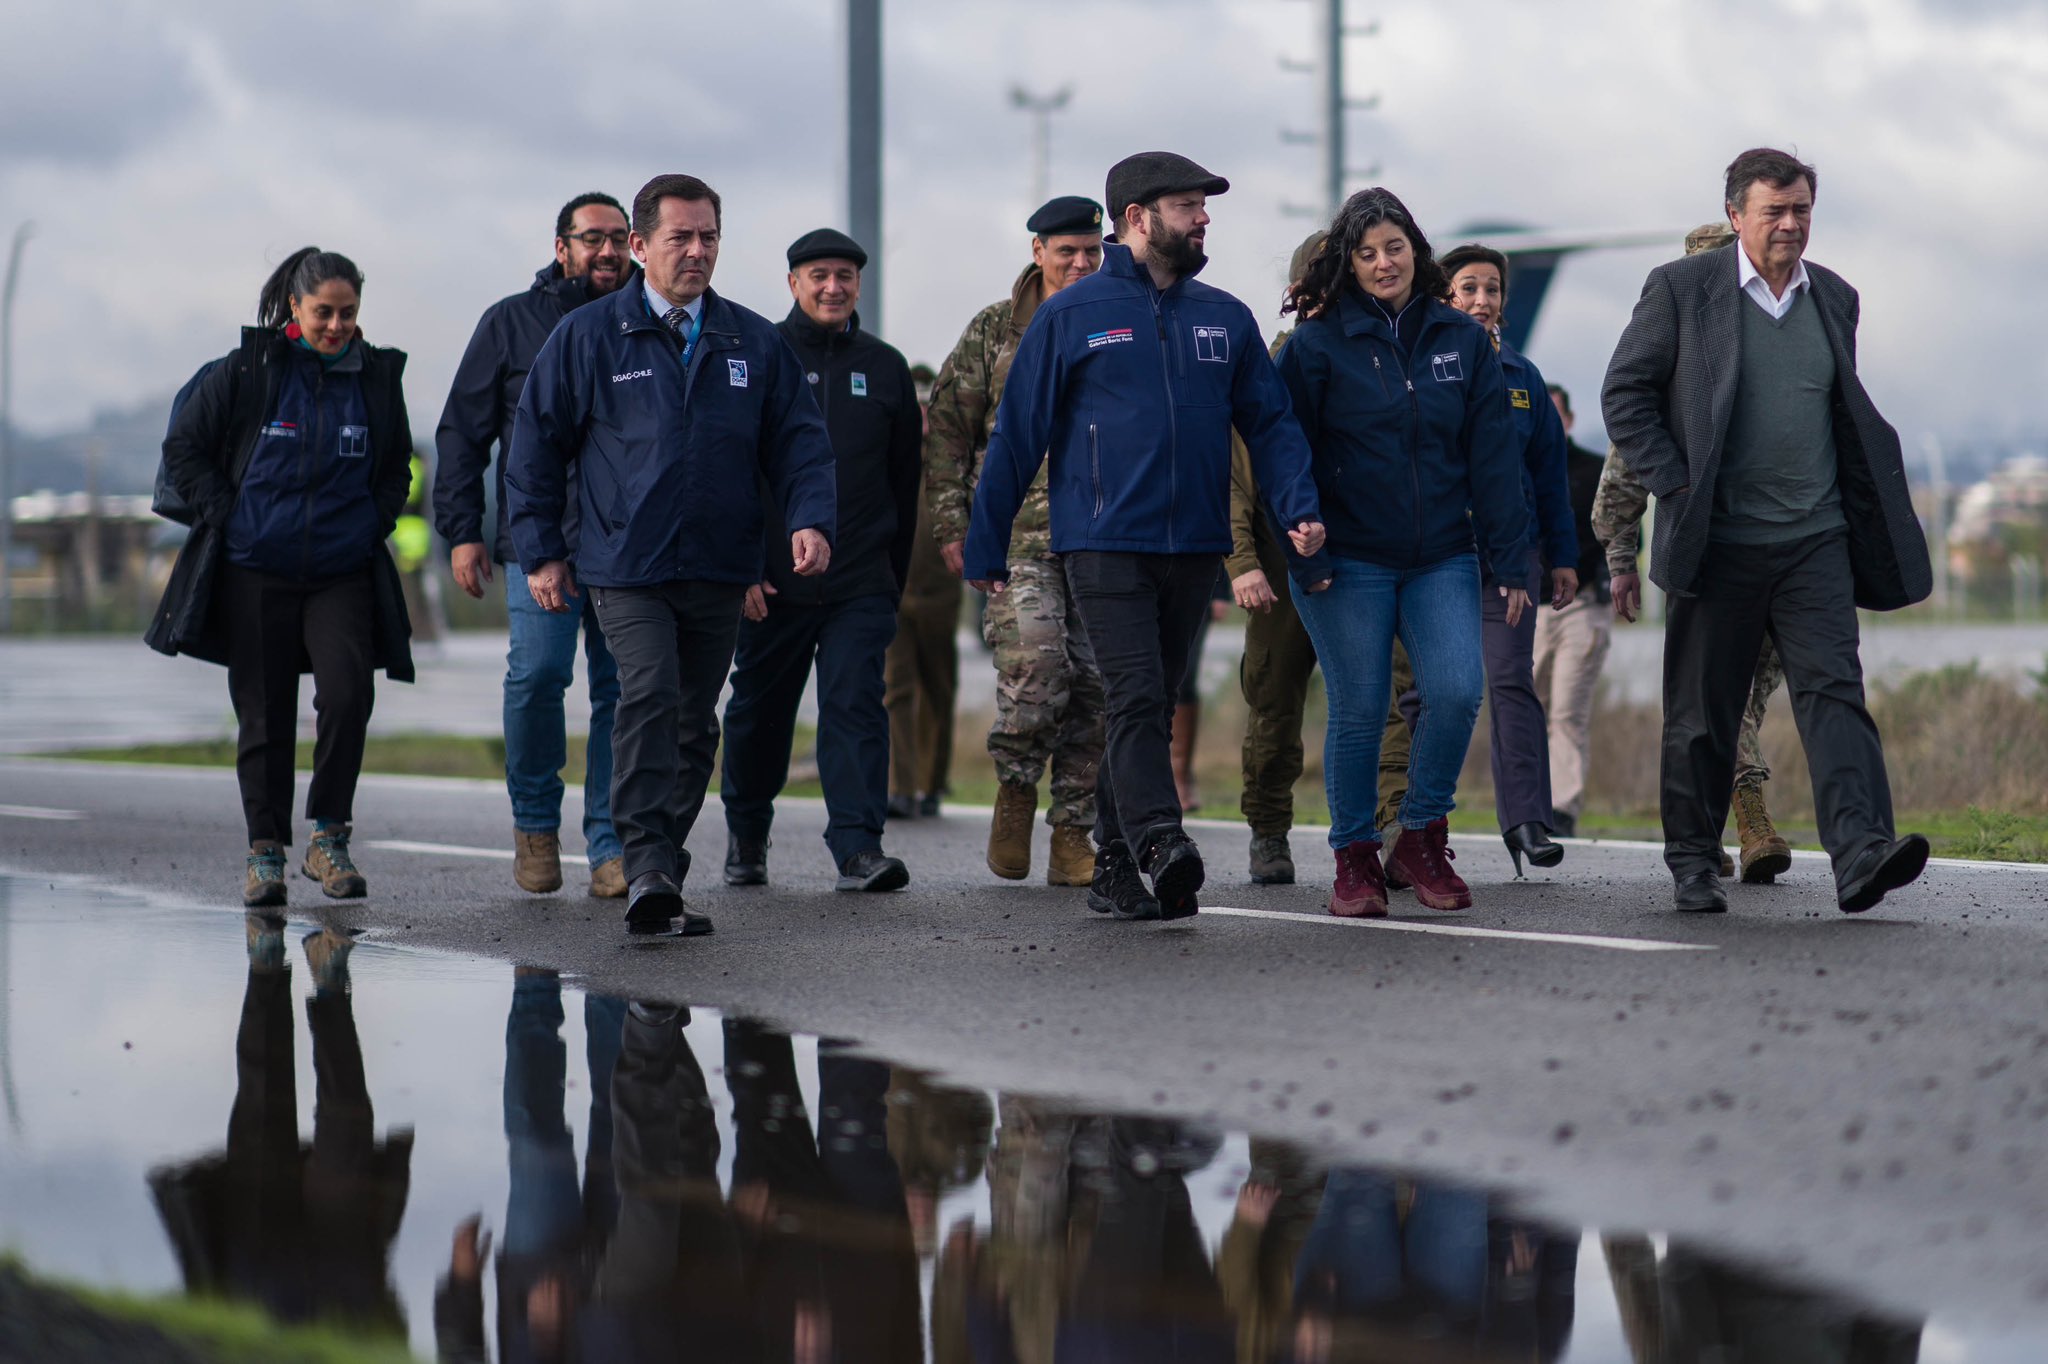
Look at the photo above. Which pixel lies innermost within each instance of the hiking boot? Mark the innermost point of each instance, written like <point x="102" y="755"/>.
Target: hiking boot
<point x="1361" y="889"/>
<point x="1073" y="857"/>
<point x="1272" y="860"/>
<point x="537" y="861"/>
<point x="873" y="869"/>
<point x="327" y="952"/>
<point x="1009" y="831"/>
<point x="327" y="862"/>
<point x="265" y="935"/>
<point x="608" y="879"/>
<point x="1422" y="858"/>
<point x="1117" y="890"/>
<point x="1727" y="866"/>
<point x="264" y="884"/>
<point x="1175" y="866"/>
<point x="1764" y="854"/>
<point x="746" y="861"/>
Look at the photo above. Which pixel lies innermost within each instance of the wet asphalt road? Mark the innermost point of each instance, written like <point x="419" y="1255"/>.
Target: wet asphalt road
<point x="1860" y="1101"/>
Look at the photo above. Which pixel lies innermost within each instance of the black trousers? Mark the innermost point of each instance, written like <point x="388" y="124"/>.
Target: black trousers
<point x="1144" y="613"/>
<point x="673" y="643"/>
<point x="274" y="625"/>
<point x="849" y="642"/>
<point x="1801" y="594"/>
<point x="1518" y="738"/>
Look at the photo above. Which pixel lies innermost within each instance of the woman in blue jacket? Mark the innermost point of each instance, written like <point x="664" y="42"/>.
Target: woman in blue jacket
<point x="1402" y="400"/>
<point x="294" y="452"/>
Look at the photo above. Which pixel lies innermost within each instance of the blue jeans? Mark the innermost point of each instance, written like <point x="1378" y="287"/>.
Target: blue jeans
<point x="539" y="666"/>
<point x="1368" y="1253"/>
<point x="1435" y="612"/>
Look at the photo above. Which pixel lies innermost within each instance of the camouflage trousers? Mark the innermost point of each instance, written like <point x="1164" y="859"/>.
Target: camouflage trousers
<point x="1049" y="703"/>
<point x="1750" y="768"/>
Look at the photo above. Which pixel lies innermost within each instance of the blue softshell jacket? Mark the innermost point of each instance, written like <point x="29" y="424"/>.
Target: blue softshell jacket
<point x="306" y="508"/>
<point x="668" y="464"/>
<point x="1131" y="393"/>
<point x="1409" y="449"/>
<point x="1546" y="484"/>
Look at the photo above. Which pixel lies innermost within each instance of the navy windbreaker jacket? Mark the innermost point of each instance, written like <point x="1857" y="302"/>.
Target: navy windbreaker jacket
<point x="667" y="466"/>
<point x="1409" y="451"/>
<point x="306" y="507"/>
<point x="1546" y="487"/>
<point x="1132" y="394"/>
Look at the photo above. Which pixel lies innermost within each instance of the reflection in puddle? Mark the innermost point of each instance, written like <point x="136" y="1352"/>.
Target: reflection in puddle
<point x="679" y="1186"/>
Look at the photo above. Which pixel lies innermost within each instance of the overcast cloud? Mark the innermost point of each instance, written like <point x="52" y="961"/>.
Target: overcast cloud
<point x="171" y="152"/>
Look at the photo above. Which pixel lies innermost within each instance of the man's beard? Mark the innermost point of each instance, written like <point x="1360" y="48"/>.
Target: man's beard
<point x="1181" y="254"/>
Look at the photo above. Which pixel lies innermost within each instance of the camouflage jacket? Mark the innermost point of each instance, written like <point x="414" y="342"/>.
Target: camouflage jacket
<point x="963" y="412"/>
<point x="1251" y="534"/>
<point x="1618" y="509"/>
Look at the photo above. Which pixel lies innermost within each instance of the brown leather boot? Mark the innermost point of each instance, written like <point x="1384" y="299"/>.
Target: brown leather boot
<point x="608" y="879"/>
<point x="1073" y="857"/>
<point x="1764" y="853"/>
<point x="1009" y="832"/>
<point x="1186" y="718"/>
<point x="327" y="861"/>
<point x="537" y="861"/>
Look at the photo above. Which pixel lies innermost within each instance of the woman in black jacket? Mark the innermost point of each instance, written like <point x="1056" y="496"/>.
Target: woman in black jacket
<point x="294" y="454"/>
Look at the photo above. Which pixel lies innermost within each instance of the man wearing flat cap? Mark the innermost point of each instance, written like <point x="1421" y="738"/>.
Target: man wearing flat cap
<point x="1130" y="383"/>
<point x="843" y="619"/>
<point x="1048" y="691"/>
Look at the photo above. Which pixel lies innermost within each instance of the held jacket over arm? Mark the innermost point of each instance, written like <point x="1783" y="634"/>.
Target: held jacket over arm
<point x="1546" y="486"/>
<point x="666" y="464"/>
<point x="1132" y="394"/>
<point x="863" y="386"/>
<point x="1409" y="452"/>
<point x="484" y="398"/>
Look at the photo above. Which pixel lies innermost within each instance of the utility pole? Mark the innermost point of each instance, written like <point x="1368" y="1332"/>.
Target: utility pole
<point x="21" y="236"/>
<point x="864" y="148"/>
<point x="1041" y="108"/>
<point x="1332" y="135"/>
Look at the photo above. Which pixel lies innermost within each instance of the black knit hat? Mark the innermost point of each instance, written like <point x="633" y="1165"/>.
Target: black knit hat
<point x="1142" y="178"/>
<point x="826" y="244"/>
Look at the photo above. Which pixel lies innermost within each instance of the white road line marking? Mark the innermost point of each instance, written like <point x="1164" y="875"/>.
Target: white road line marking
<point x="38" y="812"/>
<point x="457" y="850"/>
<point x="1467" y="931"/>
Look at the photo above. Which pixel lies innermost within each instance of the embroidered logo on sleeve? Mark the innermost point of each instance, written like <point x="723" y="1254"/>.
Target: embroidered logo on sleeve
<point x="1097" y="340"/>
<point x="736" y="373"/>
<point x="1518" y="397"/>
<point x="1449" y="368"/>
<point x="860" y="385"/>
<point x="1212" y="344"/>
<point x="355" y="442"/>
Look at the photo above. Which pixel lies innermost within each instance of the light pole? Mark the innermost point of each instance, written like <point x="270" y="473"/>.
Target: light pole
<point x="864" y="148"/>
<point x="21" y="236"/>
<point x="1041" y="108"/>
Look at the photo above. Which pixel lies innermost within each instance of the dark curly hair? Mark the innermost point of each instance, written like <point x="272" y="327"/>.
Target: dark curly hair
<point x="1330" y="272"/>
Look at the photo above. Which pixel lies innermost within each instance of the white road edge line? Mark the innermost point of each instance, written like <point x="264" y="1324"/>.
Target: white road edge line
<point x="1467" y="931"/>
<point x="38" y="812"/>
<point x="456" y="850"/>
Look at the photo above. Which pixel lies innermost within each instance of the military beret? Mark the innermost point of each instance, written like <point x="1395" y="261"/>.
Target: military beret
<point x="1708" y="237"/>
<point x="826" y="244"/>
<point x="1068" y="213"/>
<point x="1142" y="178"/>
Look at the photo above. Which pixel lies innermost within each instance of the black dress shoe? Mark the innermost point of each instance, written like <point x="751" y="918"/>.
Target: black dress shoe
<point x="1177" y="873"/>
<point x="873" y="869"/>
<point x="902" y="807"/>
<point x="1532" y="841"/>
<point x="927" y="807"/>
<point x="746" y="861"/>
<point x="1884" y="870"/>
<point x="1701" y="893"/>
<point x="1564" y="825"/>
<point x="654" y="903"/>
<point x="1117" y="889"/>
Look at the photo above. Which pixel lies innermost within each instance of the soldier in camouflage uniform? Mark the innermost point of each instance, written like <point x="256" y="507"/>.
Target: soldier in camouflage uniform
<point x="1618" y="509"/>
<point x="1049" y="703"/>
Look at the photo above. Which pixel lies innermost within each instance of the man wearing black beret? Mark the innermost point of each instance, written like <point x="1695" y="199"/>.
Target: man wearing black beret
<point x="1130" y="383"/>
<point x="841" y="620"/>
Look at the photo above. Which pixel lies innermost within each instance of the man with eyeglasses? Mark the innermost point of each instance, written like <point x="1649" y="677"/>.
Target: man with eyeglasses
<point x="590" y="261"/>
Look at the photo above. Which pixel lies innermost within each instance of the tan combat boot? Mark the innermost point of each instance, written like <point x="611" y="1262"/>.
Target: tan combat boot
<point x="537" y="861"/>
<point x="1764" y="854"/>
<point x="1073" y="857"/>
<point x="1009" y="832"/>
<point x="608" y="879"/>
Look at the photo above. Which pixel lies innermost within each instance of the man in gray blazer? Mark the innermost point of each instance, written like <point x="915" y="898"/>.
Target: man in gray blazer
<point x="1783" y="507"/>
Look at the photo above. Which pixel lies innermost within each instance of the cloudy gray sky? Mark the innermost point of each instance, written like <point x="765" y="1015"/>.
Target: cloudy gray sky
<point x="171" y="151"/>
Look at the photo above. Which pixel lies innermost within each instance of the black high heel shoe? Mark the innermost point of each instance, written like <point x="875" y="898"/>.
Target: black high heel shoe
<point x="1532" y="841"/>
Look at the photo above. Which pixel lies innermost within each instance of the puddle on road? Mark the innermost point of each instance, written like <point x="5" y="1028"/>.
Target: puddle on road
<point x="487" y="1163"/>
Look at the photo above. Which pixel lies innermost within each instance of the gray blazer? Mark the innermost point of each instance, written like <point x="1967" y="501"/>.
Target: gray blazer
<point x="1669" y="393"/>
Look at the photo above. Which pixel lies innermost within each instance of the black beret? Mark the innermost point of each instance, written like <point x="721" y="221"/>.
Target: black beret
<point x="826" y="244"/>
<point x="1068" y="213"/>
<point x="1142" y="178"/>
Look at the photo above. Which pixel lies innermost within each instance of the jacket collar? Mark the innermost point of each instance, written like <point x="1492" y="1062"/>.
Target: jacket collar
<point x="1117" y="260"/>
<point x="574" y="293"/>
<point x="1358" y="317"/>
<point x="1025" y="296"/>
<point x="811" y="334"/>
<point x="629" y="312"/>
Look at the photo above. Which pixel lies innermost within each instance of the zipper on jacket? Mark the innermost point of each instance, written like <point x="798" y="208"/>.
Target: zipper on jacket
<point x="305" y="478"/>
<point x="1172" y="425"/>
<point x="1095" y="463"/>
<point x="1414" y="454"/>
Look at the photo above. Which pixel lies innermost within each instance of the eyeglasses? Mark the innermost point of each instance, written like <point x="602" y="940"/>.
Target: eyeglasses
<point x="594" y="239"/>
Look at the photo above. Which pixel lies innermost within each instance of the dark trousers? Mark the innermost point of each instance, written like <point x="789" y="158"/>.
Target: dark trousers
<point x="1279" y="659"/>
<point x="1518" y="736"/>
<point x="1143" y="613"/>
<point x="1801" y="595"/>
<point x="274" y="626"/>
<point x="673" y="643"/>
<point x="848" y="641"/>
<point x="919" y="682"/>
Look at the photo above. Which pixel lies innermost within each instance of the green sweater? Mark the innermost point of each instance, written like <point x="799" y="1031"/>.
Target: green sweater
<point x="1777" y="477"/>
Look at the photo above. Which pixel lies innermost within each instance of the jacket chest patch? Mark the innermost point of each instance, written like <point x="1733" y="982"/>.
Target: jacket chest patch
<point x="1114" y="336"/>
<point x="355" y="442"/>
<point x="1449" y="368"/>
<point x="1213" y="345"/>
<point x="1518" y="397"/>
<point x="736" y="373"/>
<point x="286" y="430"/>
<point x="860" y="385"/>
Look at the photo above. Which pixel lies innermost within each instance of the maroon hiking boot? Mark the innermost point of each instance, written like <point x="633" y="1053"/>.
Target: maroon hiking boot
<point x="1361" y="889"/>
<point x="1422" y="858"/>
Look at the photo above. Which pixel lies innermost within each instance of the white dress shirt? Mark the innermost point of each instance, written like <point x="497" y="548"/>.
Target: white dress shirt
<point x="1755" y="286"/>
<point x="659" y="306"/>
